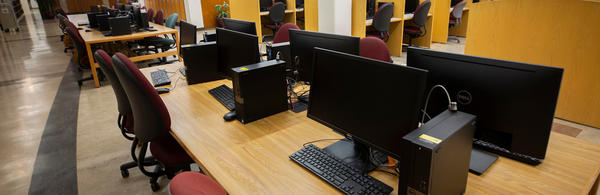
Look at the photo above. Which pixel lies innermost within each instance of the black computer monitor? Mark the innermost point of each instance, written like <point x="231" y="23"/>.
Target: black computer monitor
<point x="236" y="49"/>
<point x="299" y="3"/>
<point x="371" y="8"/>
<point x="128" y="8"/>
<point x="410" y="6"/>
<point x="143" y="19"/>
<point x="375" y="103"/>
<point x="93" y="22"/>
<point x="454" y="2"/>
<point x="240" y="25"/>
<point x="120" y="25"/>
<point x="514" y="102"/>
<point x="102" y="20"/>
<point x="265" y="5"/>
<point x="302" y="44"/>
<point x="187" y="33"/>
<point x="94" y="8"/>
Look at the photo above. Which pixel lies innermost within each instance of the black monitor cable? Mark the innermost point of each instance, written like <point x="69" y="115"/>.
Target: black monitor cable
<point x="452" y="106"/>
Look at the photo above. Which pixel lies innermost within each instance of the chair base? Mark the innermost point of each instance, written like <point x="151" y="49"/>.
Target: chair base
<point x="148" y="161"/>
<point x="454" y="38"/>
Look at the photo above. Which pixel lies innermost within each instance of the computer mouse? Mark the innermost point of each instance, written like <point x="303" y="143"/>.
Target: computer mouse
<point x="162" y="90"/>
<point x="88" y="30"/>
<point x="230" y="116"/>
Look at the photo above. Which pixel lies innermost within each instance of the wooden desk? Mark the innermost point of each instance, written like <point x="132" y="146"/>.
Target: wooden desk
<point x="287" y="11"/>
<point x="369" y="22"/>
<point x="253" y="158"/>
<point x="95" y="37"/>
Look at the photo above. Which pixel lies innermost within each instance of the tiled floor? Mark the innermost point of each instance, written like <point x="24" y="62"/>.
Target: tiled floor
<point x="31" y="67"/>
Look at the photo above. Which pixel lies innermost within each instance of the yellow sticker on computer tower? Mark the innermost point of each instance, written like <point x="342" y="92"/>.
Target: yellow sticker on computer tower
<point x="430" y="138"/>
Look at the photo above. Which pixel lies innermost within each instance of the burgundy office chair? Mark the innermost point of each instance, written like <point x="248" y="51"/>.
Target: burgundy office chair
<point x="81" y="50"/>
<point x="277" y="14"/>
<point x="374" y="48"/>
<point x="455" y="17"/>
<point x="192" y="183"/>
<point x="283" y="35"/>
<point x="381" y="21"/>
<point x="158" y="19"/>
<point x="150" y="15"/>
<point x="125" y="118"/>
<point x="420" y="20"/>
<point x="152" y="123"/>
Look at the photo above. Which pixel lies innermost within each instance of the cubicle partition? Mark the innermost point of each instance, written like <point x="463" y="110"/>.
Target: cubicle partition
<point x="560" y="33"/>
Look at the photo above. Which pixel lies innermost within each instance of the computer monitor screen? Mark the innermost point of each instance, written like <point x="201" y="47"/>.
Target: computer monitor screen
<point x="240" y="25"/>
<point x="94" y="8"/>
<point x="302" y="44"/>
<point x="265" y="5"/>
<point x="454" y="2"/>
<point x="92" y="20"/>
<point x="370" y="9"/>
<point x="187" y="33"/>
<point x="102" y="20"/>
<point x="410" y="6"/>
<point x="236" y="49"/>
<point x="375" y="102"/>
<point x="514" y="102"/>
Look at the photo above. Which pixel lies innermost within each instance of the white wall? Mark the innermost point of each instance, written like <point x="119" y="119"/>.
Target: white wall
<point x="193" y="12"/>
<point x="335" y="16"/>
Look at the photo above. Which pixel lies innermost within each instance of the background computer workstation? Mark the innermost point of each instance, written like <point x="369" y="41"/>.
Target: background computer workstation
<point x="294" y="131"/>
<point x="97" y="32"/>
<point x="303" y="13"/>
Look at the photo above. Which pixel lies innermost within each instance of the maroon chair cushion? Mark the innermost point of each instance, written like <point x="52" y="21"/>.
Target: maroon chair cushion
<point x="283" y="34"/>
<point x="158" y="19"/>
<point x="374" y="48"/>
<point x="412" y="30"/>
<point x="150" y="15"/>
<point x="192" y="183"/>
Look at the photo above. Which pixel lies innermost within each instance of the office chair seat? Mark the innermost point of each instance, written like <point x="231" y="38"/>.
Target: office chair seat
<point x="271" y="26"/>
<point x="168" y="151"/>
<point x="412" y="30"/>
<point x="192" y="183"/>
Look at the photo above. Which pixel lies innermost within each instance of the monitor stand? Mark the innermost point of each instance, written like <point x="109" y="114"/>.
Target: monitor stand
<point x="355" y="154"/>
<point x="481" y="161"/>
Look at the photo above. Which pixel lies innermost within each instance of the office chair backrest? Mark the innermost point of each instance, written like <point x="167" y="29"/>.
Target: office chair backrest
<point x="277" y="12"/>
<point x="383" y="16"/>
<point x="171" y="20"/>
<point x="374" y="48"/>
<point x="420" y="16"/>
<point x="283" y="34"/>
<point x="150" y="15"/>
<point x="457" y="10"/>
<point x="152" y="118"/>
<point x="158" y="19"/>
<point x="79" y="45"/>
<point x="61" y="22"/>
<point x="105" y="62"/>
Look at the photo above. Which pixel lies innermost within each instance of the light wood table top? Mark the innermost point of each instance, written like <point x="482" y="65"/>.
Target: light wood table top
<point x="287" y="11"/>
<point x="253" y="158"/>
<point x="369" y="22"/>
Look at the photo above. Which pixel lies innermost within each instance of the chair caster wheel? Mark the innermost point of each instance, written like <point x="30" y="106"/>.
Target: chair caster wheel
<point x="124" y="173"/>
<point x="155" y="187"/>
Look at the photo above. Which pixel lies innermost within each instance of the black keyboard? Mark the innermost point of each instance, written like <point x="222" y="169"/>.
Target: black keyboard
<point x="340" y="175"/>
<point x="160" y="78"/>
<point x="225" y="95"/>
<point x="503" y="151"/>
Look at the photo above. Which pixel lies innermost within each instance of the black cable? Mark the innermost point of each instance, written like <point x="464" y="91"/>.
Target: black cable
<point x="320" y="140"/>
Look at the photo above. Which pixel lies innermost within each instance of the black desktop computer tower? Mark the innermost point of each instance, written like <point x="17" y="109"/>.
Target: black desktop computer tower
<point x="259" y="90"/>
<point x="201" y="62"/>
<point x="436" y="156"/>
<point x="281" y="49"/>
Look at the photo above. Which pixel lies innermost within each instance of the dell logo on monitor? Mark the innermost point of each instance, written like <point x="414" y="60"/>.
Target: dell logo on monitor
<point x="464" y="97"/>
